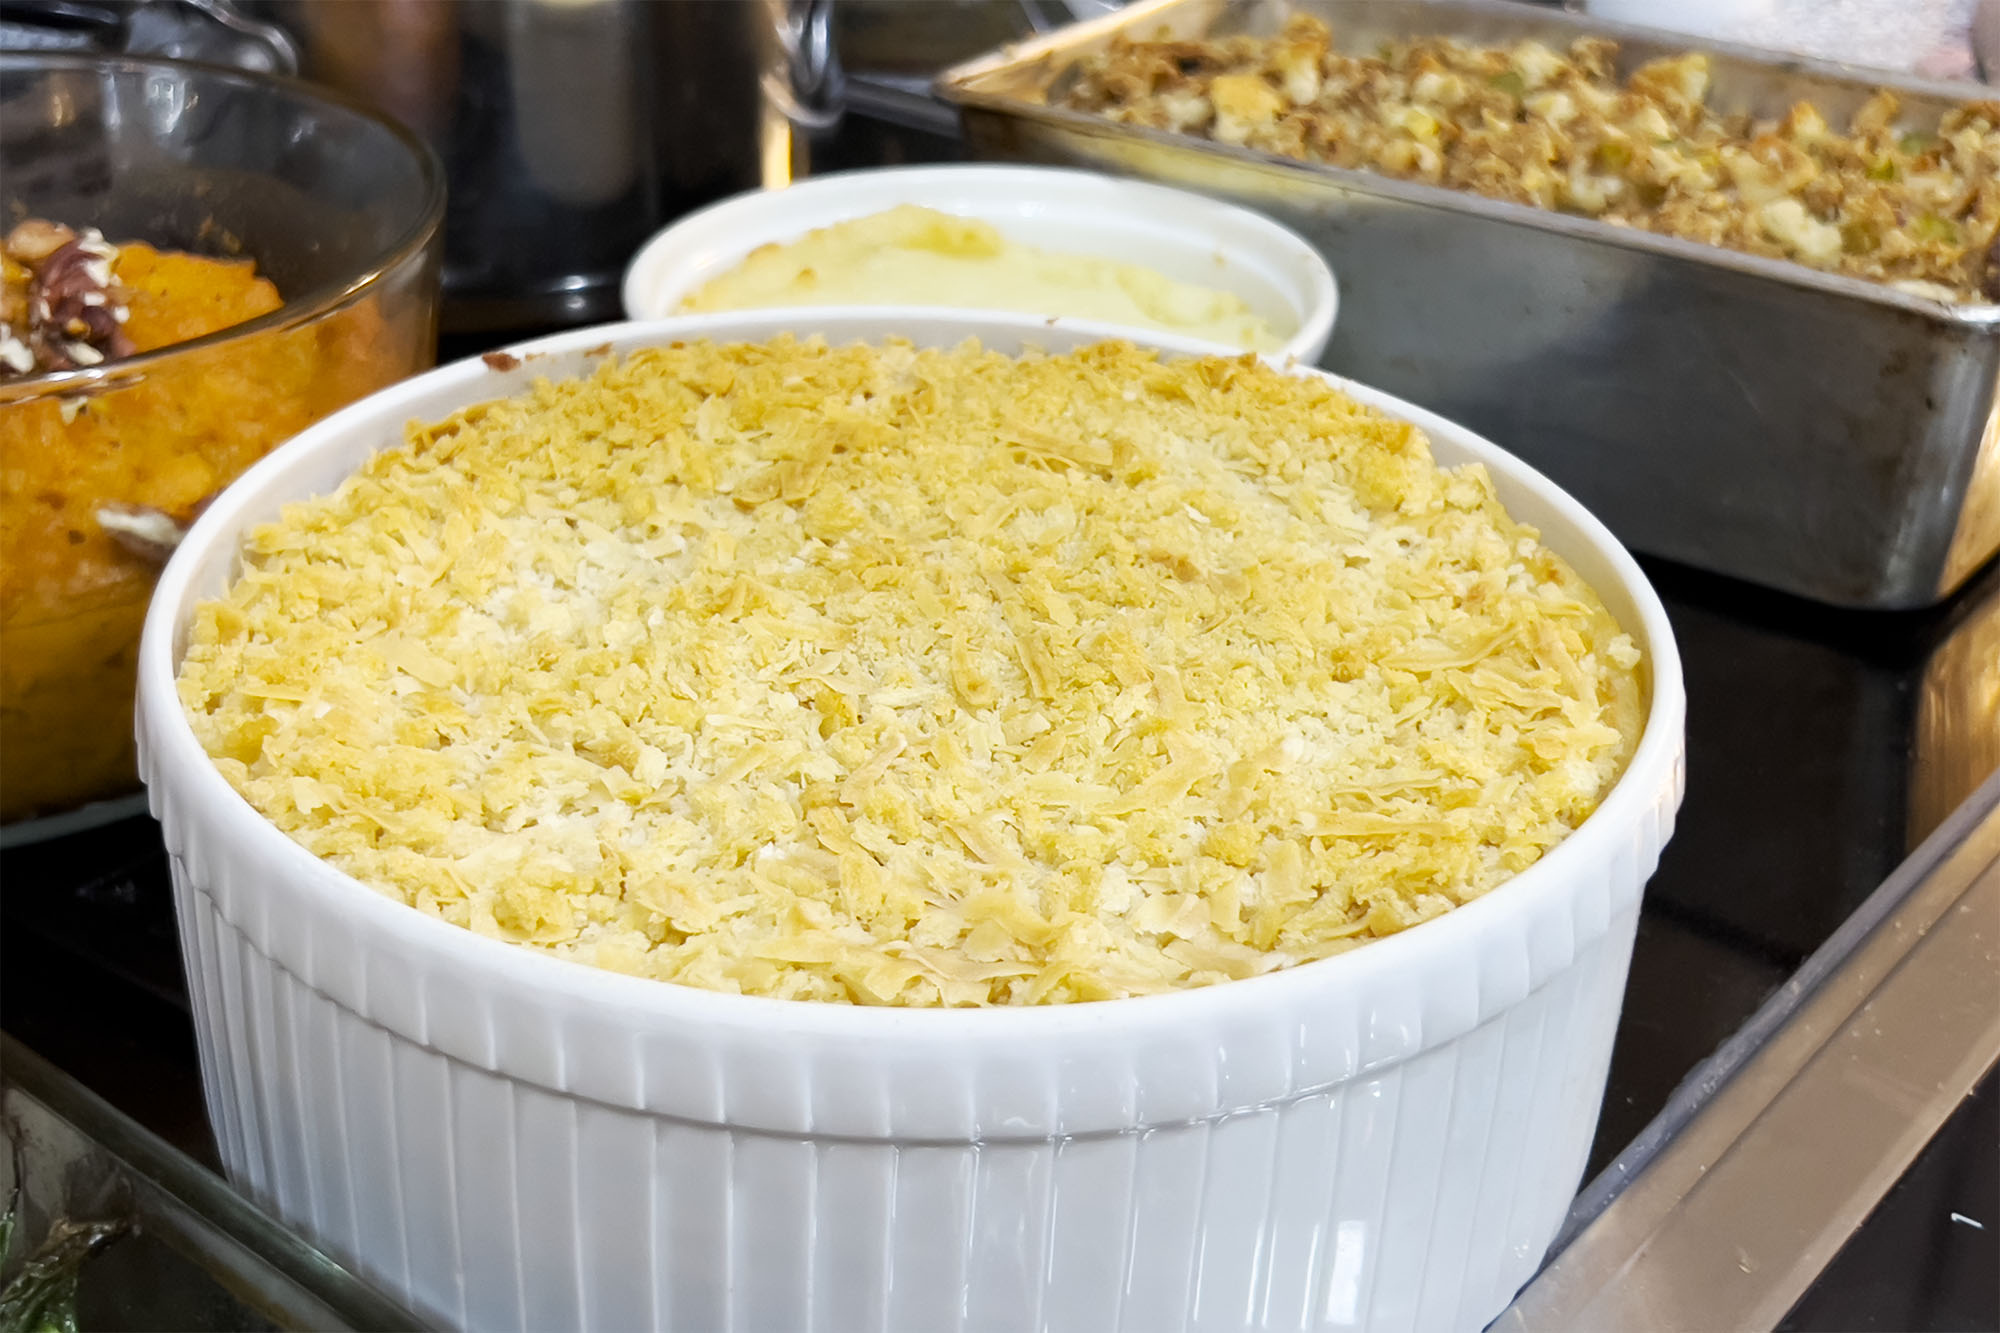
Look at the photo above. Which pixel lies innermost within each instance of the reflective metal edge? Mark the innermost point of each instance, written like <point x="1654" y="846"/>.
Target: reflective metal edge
<point x="196" y="1213"/>
<point x="903" y="101"/>
<point x="1773" y="1152"/>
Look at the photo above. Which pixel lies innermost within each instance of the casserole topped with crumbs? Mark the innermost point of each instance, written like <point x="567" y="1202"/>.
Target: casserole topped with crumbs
<point x="876" y="675"/>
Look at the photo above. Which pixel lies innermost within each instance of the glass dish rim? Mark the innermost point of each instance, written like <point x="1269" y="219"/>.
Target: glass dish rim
<point x="296" y="311"/>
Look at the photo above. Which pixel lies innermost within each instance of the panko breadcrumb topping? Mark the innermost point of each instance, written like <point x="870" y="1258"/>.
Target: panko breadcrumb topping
<point x="890" y="676"/>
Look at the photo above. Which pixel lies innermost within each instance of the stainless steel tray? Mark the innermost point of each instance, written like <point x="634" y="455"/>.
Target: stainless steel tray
<point x="1819" y="434"/>
<point x="151" y="1239"/>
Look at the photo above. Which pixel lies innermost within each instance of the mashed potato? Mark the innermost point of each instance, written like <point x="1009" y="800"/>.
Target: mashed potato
<point x="897" y="677"/>
<point x="917" y="256"/>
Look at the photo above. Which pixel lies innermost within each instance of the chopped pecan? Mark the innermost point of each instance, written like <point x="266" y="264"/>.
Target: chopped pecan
<point x="35" y="240"/>
<point x="74" y="328"/>
<point x="71" y="313"/>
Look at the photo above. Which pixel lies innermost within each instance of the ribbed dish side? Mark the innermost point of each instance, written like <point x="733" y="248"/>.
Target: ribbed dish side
<point x="1417" y="1197"/>
<point x="1239" y="1055"/>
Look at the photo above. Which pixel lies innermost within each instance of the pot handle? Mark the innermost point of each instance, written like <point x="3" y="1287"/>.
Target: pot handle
<point x="210" y="30"/>
<point x="806" y="84"/>
<point x="262" y="46"/>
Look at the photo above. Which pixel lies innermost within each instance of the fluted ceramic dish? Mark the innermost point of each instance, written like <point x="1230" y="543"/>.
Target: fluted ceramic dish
<point x="1385" y="1139"/>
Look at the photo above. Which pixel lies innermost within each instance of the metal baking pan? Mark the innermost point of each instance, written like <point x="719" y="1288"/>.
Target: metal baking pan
<point x="1824" y="435"/>
<point x="115" y="1229"/>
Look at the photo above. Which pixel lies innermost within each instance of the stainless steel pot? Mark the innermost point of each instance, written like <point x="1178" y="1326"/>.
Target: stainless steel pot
<point x="570" y="129"/>
<point x="573" y="129"/>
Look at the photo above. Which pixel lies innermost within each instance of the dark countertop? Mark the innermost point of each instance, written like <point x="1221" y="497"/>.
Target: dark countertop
<point x="1928" y="1257"/>
<point x="1816" y="759"/>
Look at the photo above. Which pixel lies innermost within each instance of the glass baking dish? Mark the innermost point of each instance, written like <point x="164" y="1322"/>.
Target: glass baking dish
<point x="337" y="206"/>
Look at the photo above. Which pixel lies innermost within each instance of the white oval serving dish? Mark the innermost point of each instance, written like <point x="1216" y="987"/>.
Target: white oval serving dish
<point x="1186" y="236"/>
<point x="1387" y="1138"/>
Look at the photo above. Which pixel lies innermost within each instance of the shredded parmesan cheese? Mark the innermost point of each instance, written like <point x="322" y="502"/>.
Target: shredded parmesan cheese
<point x="874" y="675"/>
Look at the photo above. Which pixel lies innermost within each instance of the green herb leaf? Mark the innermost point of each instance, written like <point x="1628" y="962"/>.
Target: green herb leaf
<point x="1931" y="227"/>
<point x="41" y="1298"/>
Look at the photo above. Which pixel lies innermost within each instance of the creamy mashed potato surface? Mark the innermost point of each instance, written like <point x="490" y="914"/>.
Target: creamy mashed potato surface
<point x="887" y="676"/>
<point x="918" y="256"/>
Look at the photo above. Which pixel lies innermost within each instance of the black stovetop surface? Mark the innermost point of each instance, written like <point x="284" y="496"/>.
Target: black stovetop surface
<point x="1810" y="776"/>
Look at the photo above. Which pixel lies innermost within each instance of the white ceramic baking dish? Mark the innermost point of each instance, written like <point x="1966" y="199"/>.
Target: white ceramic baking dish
<point x="1185" y="236"/>
<point x="1384" y="1139"/>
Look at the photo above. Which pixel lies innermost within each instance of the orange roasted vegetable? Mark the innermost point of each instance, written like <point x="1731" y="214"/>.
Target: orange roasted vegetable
<point x="89" y="486"/>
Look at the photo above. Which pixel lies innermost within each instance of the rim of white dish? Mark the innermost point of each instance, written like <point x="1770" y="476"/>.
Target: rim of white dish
<point x="1135" y="204"/>
<point x="179" y="757"/>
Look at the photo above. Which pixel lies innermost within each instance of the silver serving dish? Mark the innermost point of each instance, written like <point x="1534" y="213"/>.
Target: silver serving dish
<point x="1824" y="435"/>
<point x="112" y="1228"/>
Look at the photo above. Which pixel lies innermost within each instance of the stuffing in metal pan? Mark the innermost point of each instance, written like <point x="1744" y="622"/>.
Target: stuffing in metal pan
<point x="1913" y="206"/>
